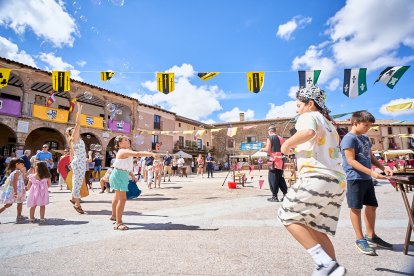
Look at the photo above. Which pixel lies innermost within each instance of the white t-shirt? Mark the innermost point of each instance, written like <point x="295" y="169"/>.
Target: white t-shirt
<point x="320" y="155"/>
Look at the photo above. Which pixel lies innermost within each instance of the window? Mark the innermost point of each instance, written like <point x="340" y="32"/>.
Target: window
<point x="63" y="107"/>
<point x="390" y="130"/>
<point x="372" y="141"/>
<point x="391" y="143"/>
<point x="157" y="122"/>
<point x="11" y="97"/>
<point x="207" y="144"/>
<point x="179" y="124"/>
<point x="194" y="128"/>
<point x="409" y="130"/>
<point x="199" y="144"/>
<point x="181" y="141"/>
<point x="52" y="145"/>
<point x="251" y="139"/>
<point x="154" y="140"/>
<point x="230" y="143"/>
<point x="40" y="100"/>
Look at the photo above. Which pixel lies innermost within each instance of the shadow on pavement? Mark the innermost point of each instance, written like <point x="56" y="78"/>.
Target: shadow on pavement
<point x="400" y="248"/>
<point x="59" y="221"/>
<point x="395" y="272"/>
<point x="167" y="226"/>
<point x="152" y="199"/>
<point x="175" y="188"/>
<point x="127" y="213"/>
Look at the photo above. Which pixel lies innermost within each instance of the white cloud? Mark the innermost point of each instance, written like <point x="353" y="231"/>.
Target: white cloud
<point x="292" y="92"/>
<point x="313" y="59"/>
<point x="234" y="115"/>
<point x="286" y="30"/>
<point x="384" y="111"/>
<point x="81" y="63"/>
<point x="333" y="84"/>
<point x="189" y="100"/>
<point x="48" y="19"/>
<point x="11" y="51"/>
<point x="56" y="63"/>
<point x="286" y="110"/>
<point x="209" y="121"/>
<point x="362" y="37"/>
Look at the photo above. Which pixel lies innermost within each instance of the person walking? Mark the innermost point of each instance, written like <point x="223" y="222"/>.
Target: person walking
<point x="210" y="165"/>
<point x="45" y="155"/>
<point x="167" y="166"/>
<point x="200" y="165"/>
<point x="38" y="191"/>
<point x="275" y="175"/>
<point x="310" y="211"/>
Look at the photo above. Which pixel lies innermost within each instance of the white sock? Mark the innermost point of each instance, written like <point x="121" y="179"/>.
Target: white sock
<point x="319" y="255"/>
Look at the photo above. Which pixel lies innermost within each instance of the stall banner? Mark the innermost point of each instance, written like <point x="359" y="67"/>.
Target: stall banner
<point x="119" y="126"/>
<point x="10" y="107"/>
<point x="91" y="121"/>
<point x="50" y="114"/>
<point x="251" y="146"/>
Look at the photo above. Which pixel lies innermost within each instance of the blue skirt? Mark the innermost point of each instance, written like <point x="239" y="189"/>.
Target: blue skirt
<point x="119" y="180"/>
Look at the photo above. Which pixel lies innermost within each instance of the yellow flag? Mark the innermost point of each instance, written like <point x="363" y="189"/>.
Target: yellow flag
<point x="61" y="81"/>
<point x="4" y="76"/>
<point x="255" y="81"/>
<point x="72" y="104"/>
<point x="399" y="107"/>
<point x="207" y="76"/>
<point x="376" y="128"/>
<point x="105" y="76"/>
<point x="165" y="82"/>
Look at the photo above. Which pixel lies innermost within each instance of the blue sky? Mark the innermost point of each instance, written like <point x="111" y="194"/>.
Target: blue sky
<point x="138" y="38"/>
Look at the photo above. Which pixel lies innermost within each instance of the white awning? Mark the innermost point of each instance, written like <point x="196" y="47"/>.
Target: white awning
<point x="182" y="154"/>
<point x="259" y="154"/>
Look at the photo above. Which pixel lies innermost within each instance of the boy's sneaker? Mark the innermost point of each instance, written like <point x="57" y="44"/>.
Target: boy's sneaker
<point x="333" y="268"/>
<point x="364" y="247"/>
<point x="377" y="241"/>
<point x="273" y="199"/>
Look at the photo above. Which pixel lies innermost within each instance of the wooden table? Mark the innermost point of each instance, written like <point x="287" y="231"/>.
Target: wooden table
<point x="407" y="180"/>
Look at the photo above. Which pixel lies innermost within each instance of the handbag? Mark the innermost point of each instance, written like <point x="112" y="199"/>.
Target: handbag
<point x="133" y="190"/>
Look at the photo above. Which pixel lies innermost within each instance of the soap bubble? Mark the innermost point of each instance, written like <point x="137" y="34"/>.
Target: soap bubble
<point x="110" y="107"/>
<point x="83" y="18"/>
<point x="138" y="139"/>
<point x="92" y="147"/>
<point x="76" y="5"/>
<point x="88" y="136"/>
<point x="88" y="95"/>
<point x="98" y="147"/>
<point x="140" y="117"/>
<point x="118" y="112"/>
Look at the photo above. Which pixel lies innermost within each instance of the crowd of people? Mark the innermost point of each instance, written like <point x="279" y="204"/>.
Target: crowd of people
<point x="329" y="170"/>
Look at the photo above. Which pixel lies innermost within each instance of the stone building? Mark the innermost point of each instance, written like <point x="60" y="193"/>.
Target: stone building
<point x="27" y="123"/>
<point x="384" y="135"/>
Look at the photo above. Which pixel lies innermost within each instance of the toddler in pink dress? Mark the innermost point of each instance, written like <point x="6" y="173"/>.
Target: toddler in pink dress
<point x="38" y="191"/>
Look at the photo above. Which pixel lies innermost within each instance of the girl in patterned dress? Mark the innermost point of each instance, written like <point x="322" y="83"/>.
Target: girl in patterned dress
<point x="38" y="191"/>
<point x="311" y="207"/>
<point x="119" y="178"/>
<point x="78" y="160"/>
<point x="14" y="190"/>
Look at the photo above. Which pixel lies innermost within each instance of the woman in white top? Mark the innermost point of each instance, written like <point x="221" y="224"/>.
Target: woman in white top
<point x="119" y="178"/>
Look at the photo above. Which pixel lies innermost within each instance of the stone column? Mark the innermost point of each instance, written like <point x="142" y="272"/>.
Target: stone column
<point x="106" y="112"/>
<point x="26" y="89"/>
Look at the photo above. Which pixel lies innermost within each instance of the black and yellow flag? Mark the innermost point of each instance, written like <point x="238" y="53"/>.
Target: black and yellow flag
<point x="255" y="81"/>
<point x="207" y="76"/>
<point x="106" y="76"/>
<point x="165" y="82"/>
<point x="61" y="81"/>
<point x="4" y="76"/>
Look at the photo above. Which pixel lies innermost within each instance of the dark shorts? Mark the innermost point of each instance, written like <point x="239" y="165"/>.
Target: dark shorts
<point x="360" y="192"/>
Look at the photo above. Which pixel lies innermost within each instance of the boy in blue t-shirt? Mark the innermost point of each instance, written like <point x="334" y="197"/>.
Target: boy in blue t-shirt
<point x="357" y="160"/>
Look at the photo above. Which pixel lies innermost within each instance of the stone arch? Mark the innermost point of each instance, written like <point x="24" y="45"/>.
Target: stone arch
<point x="8" y="140"/>
<point x="45" y="135"/>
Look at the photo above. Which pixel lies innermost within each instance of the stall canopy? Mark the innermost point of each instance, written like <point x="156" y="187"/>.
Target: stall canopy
<point x="259" y="154"/>
<point x="183" y="154"/>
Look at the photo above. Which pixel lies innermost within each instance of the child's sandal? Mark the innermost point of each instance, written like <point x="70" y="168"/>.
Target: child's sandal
<point x="42" y="221"/>
<point x="33" y="220"/>
<point x="121" y="227"/>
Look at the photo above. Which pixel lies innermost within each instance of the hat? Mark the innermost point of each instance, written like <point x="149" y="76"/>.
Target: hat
<point x="313" y="93"/>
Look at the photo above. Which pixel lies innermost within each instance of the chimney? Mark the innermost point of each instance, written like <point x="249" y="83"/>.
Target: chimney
<point x="241" y="116"/>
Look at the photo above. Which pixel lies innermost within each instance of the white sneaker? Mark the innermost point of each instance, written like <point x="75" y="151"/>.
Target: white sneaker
<point x="333" y="268"/>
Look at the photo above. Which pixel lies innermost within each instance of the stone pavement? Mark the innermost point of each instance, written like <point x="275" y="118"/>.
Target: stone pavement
<point x="191" y="226"/>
